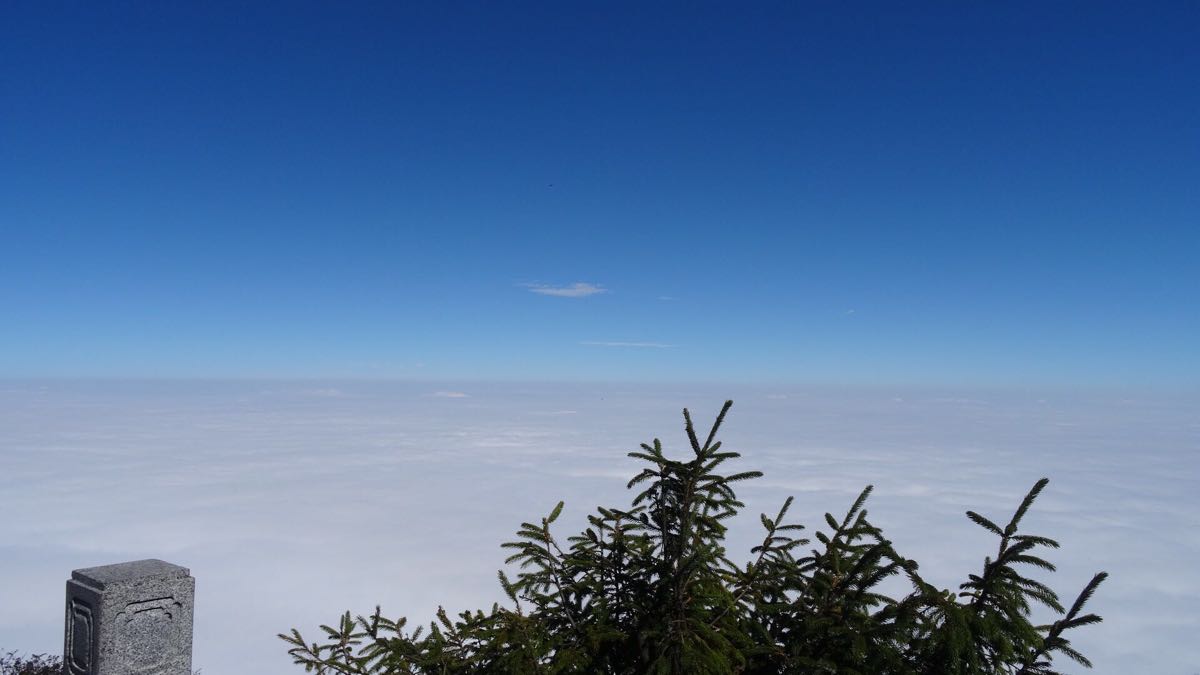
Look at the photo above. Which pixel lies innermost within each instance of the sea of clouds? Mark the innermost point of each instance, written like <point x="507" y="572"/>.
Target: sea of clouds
<point x="292" y="502"/>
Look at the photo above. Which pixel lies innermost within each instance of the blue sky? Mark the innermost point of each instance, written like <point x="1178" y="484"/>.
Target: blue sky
<point x="935" y="194"/>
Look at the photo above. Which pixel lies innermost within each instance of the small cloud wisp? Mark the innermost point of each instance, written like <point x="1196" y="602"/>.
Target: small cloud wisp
<point x="578" y="289"/>
<point x="651" y="345"/>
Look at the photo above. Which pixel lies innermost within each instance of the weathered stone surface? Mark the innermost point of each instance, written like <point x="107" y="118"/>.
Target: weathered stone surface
<point x="132" y="618"/>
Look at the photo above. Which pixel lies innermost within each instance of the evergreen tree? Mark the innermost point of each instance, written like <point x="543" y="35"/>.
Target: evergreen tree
<point x="650" y="589"/>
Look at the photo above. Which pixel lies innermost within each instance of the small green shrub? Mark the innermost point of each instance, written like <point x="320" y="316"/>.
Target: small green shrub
<point x="12" y="663"/>
<point x="649" y="589"/>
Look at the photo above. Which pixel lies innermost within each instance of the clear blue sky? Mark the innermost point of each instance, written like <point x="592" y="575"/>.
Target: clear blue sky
<point x="834" y="192"/>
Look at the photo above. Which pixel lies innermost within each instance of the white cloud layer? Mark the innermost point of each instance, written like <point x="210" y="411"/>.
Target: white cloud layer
<point x="291" y="508"/>
<point x="578" y="289"/>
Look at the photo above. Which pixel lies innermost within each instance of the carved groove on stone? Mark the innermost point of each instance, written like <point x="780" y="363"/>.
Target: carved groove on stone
<point x="80" y="636"/>
<point x="154" y="623"/>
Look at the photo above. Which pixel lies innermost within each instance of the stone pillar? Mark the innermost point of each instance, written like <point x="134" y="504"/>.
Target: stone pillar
<point x="132" y="618"/>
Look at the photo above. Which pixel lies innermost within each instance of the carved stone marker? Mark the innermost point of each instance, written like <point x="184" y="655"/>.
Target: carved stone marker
<point x="132" y="618"/>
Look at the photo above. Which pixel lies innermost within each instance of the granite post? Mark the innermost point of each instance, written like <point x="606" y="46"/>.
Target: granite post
<point x="132" y="618"/>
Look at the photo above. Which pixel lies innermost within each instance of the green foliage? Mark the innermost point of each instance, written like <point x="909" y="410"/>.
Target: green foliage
<point x="12" y="663"/>
<point x="649" y="589"/>
<point x="35" y="664"/>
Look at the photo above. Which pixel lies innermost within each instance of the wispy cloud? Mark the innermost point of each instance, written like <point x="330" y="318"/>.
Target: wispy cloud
<point x="579" y="289"/>
<point x="450" y="394"/>
<point x="322" y="392"/>
<point x="653" y="345"/>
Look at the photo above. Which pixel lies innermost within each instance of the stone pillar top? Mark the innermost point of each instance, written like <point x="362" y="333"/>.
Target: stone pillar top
<point x="132" y="618"/>
<point x="126" y="573"/>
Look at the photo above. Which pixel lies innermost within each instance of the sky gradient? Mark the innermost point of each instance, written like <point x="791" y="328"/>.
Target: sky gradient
<point x="956" y="194"/>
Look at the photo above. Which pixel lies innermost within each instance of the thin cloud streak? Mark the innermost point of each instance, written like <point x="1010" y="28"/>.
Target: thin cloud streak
<point x="637" y="345"/>
<point x="579" y="289"/>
